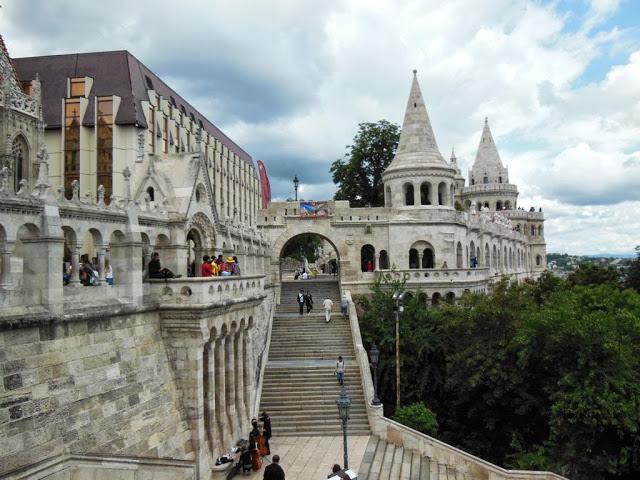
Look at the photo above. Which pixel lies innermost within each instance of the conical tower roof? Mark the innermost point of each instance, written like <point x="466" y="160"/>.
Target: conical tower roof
<point x="487" y="155"/>
<point x="417" y="147"/>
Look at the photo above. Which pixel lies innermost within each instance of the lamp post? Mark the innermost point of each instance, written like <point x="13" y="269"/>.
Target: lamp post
<point x="344" y="405"/>
<point x="374" y="355"/>
<point x="296" y="184"/>
<point x="398" y="299"/>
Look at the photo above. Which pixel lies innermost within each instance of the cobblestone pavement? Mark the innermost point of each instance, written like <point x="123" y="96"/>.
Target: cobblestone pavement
<point x="311" y="458"/>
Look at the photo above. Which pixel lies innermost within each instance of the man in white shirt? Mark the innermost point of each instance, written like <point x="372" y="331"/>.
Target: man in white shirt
<point x="328" y="305"/>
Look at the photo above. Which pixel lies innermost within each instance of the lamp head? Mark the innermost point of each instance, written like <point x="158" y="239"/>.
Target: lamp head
<point x="374" y="354"/>
<point x="344" y="405"/>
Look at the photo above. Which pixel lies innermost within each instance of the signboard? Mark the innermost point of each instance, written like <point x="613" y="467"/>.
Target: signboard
<point x="314" y="209"/>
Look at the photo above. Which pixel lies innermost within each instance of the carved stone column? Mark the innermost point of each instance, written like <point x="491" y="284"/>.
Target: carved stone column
<point x="220" y="387"/>
<point x="210" y="427"/>
<point x="246" y="372"/>
<point x="420" y="255"/>
<point x="101" y="256"/>
<point x="5" y="266"/>
<point x="230" y="385"/>
<point x="239" y="373"/>
<point x="75" y="266"/>
<point x="376" y="266"/>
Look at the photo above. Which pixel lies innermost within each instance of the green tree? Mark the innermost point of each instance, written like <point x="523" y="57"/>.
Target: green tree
<point x="301" y="247"/>
<point x="589" y="274"/>
<point x="633" y="275"/>
<point x="419" y="417"/>
<point x="359" y="175"/>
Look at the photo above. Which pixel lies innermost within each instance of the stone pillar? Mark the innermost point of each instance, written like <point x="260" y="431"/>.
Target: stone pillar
<point x="220" y="387"/>
<point x="230" y="385"/>
<point x="243" y="422"/>
<point x="41" y="273"/>
<point x="127" y="272"/>
<point x="420" y="255"/>
<point x="250" y="373"/>
<point x="246" y="372"/>
<point x="416" y="195"/>
<point x="209" y="389"/>
<point x="101" y="252"/>
<point x="377" y="262"/>
<point x="146" y="254"/>
<point x="5" y="266"/>
<point x="75" y="266"/>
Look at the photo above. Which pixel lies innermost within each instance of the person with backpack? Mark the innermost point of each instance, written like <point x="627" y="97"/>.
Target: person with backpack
<point x="300" y="300"/>
<point x="340" y="369"/>
<point x="308" y="300"/>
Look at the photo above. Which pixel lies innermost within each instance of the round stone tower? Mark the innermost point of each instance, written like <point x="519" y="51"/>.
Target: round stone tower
<point x="418" y="176"/>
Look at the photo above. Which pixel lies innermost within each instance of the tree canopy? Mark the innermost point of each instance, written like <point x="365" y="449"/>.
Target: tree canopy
<point x="536" y="375"/>
<point x="359" y="175"/>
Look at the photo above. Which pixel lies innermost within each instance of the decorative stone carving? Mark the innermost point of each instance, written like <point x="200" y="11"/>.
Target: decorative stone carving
<point x="100" y="202"/>
<point x="22" y="187"/>
<point x="75" y="189"/>
<point x="140" y="155"/>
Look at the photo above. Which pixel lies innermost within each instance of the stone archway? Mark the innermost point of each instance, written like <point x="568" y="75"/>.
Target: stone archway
<point x="281" y="247"/>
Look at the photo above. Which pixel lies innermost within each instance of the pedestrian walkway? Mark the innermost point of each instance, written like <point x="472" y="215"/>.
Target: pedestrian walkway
<point x="311" y="458"/>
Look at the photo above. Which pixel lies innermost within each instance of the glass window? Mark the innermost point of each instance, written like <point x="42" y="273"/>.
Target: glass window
<point x="71" y="144"/>
<point x="77" y="87"/>
<point x="26" y="87"/>
<point x="105" y="146"/>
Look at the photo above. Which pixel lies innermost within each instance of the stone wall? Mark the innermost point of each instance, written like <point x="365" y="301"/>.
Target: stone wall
<point x="101" y="385"/>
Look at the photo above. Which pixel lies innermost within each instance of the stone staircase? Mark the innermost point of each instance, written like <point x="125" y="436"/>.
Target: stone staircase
<point x="319" y="289"/>
<point x="386" y="461"/>
<point x="299" y="389"/>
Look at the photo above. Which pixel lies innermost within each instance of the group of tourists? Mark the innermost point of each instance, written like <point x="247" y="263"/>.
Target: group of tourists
<point x="219" y="267"/>
<point x="251" y="455"/>
<point x="88" y="272"/>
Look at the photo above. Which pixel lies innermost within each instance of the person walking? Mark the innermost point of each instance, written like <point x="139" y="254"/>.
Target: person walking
<point x="308" y="300"/>
<point x="344" y="306"/>
<point x="340" y="370"/>
<point x="301" y="301"/>
<point x="328" y="305"/>
<point x="274" y="470"/>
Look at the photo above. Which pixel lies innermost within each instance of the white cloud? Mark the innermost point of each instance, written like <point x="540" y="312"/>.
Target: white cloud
<point x="289" y="81"/>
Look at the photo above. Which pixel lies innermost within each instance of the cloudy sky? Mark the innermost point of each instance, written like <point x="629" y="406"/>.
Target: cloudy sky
<point x="290" y="81"/>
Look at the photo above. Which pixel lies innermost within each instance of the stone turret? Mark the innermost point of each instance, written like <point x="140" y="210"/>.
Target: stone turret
<point x="488" y="179"/>
<point x="418" y="174"/>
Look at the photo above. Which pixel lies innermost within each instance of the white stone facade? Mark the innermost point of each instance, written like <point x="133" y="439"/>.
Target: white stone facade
<point x="421" y="235"/>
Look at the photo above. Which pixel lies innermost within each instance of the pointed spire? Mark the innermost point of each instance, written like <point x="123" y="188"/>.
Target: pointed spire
<point x="417" y="146"/>
<point x="487" y="154"/>
<point x="453" y="155"/>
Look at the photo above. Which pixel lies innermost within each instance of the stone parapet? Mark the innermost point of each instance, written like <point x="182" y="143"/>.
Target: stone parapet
<point x="490" y="187"/>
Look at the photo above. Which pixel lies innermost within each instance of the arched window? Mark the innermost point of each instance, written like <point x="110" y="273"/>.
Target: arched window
<point x="151" y="193"/>
<point x="367" y="258"/>
<point x="518" y="228"/>
<point x="499" y="179"/>
<point x="507" y="205"/>
<point x="533" y="230"/>
<point x="473" y="181"/>
<point x="425" y="193"/>
<point x="413" y="258"/>
<point x="505" y="258"/>
<point x="467" y="205"/>
<point x="20" y="154"/>
<point x="499" y="205"/>
<point x="442" y="193"/>
<point x="494" y="258"/>
<point x="450" y="298"/>
<point x="384" y="260"/>
<point x="486" y="204"/>
<point x="540" y="230"/>
<point x="473" y="260"/>
<point x="435" y="299"/>
<point x="485" y="179"/>
<point x="408" y="194"/>
<point x="459" y="255"/>
<point x="487" y="256"/>
<point x="428" y="258"/>
<point x="538" y="260"/>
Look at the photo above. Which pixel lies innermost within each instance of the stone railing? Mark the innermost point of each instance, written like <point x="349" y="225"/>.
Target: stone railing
<point x="436" y="275"/>
<point x="206" y="290"/>
<point x="464" y="463"/>
<point x="522" y="215"/>
<point x="106" y="466"/>
<point x="490" y="187"/>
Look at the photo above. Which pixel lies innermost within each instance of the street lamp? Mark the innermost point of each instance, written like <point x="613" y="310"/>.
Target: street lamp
<point x="398" y="299"/>
<point x="374" y="355"/>
<point x="296" y="184"/>
<point x="344" y="405"/>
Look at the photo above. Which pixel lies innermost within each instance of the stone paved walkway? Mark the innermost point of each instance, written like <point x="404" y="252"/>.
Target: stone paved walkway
<point x="311" y="458"/>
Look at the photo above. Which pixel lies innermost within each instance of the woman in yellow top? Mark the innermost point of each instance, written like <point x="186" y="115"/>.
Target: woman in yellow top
<point x="215" y="269"/>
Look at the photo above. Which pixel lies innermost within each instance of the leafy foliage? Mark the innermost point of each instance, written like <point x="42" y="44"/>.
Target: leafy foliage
<point x="541" y="375"/>
<point x="359" y="175"/>
<point x="633" y="275"/>
<point x="302" y="246"/>
<point x="418" y="417"/>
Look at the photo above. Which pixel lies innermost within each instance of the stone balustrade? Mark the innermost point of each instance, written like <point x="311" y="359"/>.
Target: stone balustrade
<point x="207" y="290"/>
<point x="431" y="276"/>
<point x="492" y="187"/>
